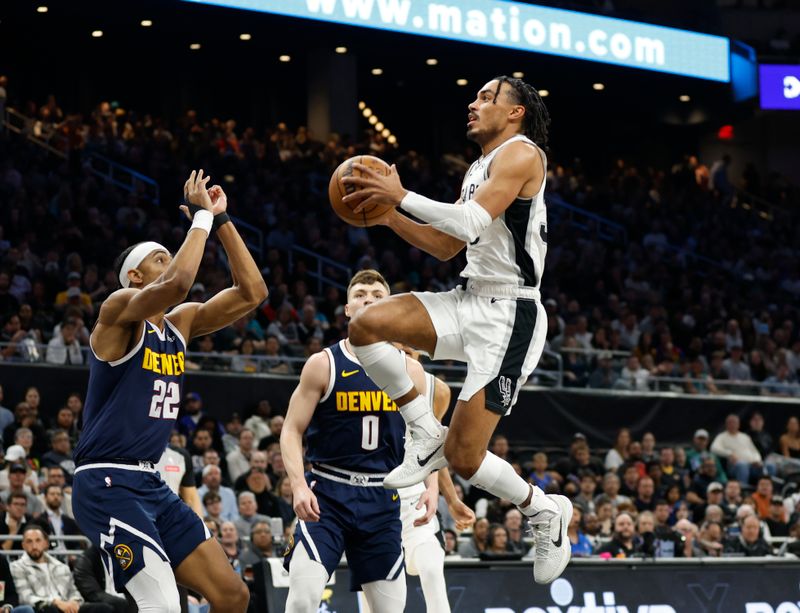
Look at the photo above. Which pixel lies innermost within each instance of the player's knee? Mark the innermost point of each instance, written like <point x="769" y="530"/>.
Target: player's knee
<point x="364" y="327"/>
<point x="463" y="461"/>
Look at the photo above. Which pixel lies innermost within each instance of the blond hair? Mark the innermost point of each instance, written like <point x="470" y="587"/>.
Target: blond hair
<point x="367" y="277"/>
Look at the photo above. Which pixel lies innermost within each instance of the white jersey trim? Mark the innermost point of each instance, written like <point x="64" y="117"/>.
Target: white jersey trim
<point x="128" y="355"/>
<point x="331" y="375"/>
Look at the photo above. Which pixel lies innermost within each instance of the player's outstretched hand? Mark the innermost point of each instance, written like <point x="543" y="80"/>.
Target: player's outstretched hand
<point x="463" y="515"/>
<point x="431" y="503"/>
<point x="195" y="192"/>
<point x="374" y="188"/>
<point x="305" y="504"/>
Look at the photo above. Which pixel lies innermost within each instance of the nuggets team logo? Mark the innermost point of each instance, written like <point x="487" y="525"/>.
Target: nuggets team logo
<point x="505" y="390"/>
<point x="124" y="554"/>
<point x="289" y="546"/>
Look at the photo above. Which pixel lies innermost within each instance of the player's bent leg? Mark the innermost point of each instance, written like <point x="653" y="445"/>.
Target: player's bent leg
<point x="307" y="579"/>
<point x="386" y="596"/>
<point x="153" y="587"/>
<point x="428" y="560"/>
<point x="401" y="319"/>
<point x="465" y="449"/>
<point x="206" y="570"/>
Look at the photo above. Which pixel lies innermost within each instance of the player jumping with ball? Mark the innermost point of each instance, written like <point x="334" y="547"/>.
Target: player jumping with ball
<point x="494" y="321"/>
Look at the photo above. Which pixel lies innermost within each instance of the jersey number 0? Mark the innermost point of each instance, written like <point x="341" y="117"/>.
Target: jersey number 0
<point x="166" y="399"/>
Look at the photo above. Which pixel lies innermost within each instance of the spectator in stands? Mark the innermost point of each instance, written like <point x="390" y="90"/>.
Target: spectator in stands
<point x="777" y="520"/>
<point x="58" y="523"/>
<point x="231" y="545"/>
<point x="699" y="452"/>
<point x="239" y="458"/>
<point x="55" y="476"/>
<point x="64" y="347"/>
<point x="576" y="369"/>
<point x="737" y="448"/>
<point x="274" y="360"/>
<point x="789" y="442"/>
<point x="715" y="497"/>
<point x="630" y="480"/>
<point x="90" y="579"/>
<point x="750" y="542"/>
<point x="513" y="526"/>
<point x="18" y="484"/>
<point x="477" y="542"/>
<point x="580" y="459"/>
<point x="497" y="544"/>
<point x="60" y="454"/>
<point x="782" y="384"/>
<point x="212" y="505"/>
<point x="540" y="476"/>
<point x="65" y="420"/>
<point x="192" y="412"/>
<point x="711" y="538"/>
<point x="262" y="545"/>
<point x="736" y="368"/>
<point x="74" y="296"/>
<point x="45" y="583"/>
<point x="274" y="436"/>
<point x="258" y="423"/>
<point x="14" y="518"/>
<point x="9" y="600"/>
<point x="605" y="517"/>
<point x="586" y="493"/>
<point x="283" y="491"/>
<point x="761" y="438"/>
<point x="618" y="454"/>
<point x="581" y="545"/>
<point x="212" y="482"/>
<point x="248" y="513"/>
<point x="257" y="482"/>
<point x="633" y="377"/>
<point x="622" y="544"/>
<point x="762" y="497"/>
<point x="698" y="490"/>
<point x="244" y="361"/>
<point x="645" y="495"/>
<point x="201" y="442"/>
<point x="698" y="380"/>
<point x="657" y="541"/>
<point x="603" y="376"/>
<point x="6" y="416"/>
<point x="450" y="542"/>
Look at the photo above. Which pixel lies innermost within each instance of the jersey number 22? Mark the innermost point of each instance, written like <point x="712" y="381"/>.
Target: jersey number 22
<point x="166" y="399"/>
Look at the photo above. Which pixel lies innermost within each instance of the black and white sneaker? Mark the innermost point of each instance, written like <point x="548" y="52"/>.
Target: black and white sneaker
<point x="424" y="455"/>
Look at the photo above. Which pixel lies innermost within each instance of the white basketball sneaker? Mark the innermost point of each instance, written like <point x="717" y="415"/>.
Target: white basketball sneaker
<point x="550" y="541"/>
<point x="423" y="455"/>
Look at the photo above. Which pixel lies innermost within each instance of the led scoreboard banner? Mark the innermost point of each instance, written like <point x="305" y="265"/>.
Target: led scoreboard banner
<point x="525" y="27"/>
<point x="780" y="86"/>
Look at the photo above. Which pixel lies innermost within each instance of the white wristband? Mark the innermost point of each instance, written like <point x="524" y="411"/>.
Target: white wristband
<point x="203" y="220"/>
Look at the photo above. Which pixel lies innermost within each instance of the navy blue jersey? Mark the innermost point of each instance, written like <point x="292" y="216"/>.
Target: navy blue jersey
<point x="132" y="403"/>
<point x="356" y="426"/>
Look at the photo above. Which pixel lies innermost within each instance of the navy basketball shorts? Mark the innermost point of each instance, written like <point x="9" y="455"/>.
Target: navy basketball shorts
<point x="123" y="509"/>
<point x="363" y="522"/>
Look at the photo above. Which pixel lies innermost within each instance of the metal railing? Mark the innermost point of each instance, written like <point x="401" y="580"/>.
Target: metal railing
<point x="42" y="134"/>
<point x="122" y="176"/>
<point x="602" y="227"/>
<point x="317" y="268"/>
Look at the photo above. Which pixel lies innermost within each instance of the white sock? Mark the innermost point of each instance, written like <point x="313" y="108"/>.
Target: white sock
<point x="386" y="366"/>
<point x="497" y="477"/>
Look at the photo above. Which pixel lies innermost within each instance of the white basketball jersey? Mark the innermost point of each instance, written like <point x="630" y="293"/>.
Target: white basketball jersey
<point x="417" y="489"/>
<point x="512" y="249"/>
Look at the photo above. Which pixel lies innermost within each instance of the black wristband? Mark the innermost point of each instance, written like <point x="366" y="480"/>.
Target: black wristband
<point x="219" y="219"/>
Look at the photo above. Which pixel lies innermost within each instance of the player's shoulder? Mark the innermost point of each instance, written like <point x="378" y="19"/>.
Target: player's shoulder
<point x="117" y="300"/>
<point x="522" y="151"/>
<point x="317" y="365"/>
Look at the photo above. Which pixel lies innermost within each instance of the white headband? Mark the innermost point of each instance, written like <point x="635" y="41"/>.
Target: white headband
<point x="135" y="257"/>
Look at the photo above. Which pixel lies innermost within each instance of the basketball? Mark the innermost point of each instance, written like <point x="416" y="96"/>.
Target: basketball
<point x="337" y="190"/>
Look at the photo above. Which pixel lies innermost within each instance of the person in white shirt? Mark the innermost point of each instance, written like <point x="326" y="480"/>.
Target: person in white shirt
<point x="64" y="347"/>
<point x="633" y="376"/>
<point x="744" y="460"/>
<point x="239" y="459"/>
<point x="259" y="422"/>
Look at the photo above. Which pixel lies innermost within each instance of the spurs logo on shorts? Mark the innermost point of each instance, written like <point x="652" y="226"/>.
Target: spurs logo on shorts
<point x="505" y="385"/>
<point x="124" y="554"/>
